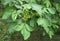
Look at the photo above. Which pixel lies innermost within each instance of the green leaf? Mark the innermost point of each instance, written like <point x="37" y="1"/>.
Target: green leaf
<point x="29" y="1"/>
<point x="27" y="6"/>
<point x="18" y="6"/>
<point x="47" y="2"/>
<point x="33" y="1"/>
<point x="29" y="28"/>
<point x="5" y="2"/>
<point x="44" y="23"/>
<point x="8" y="11"/>
<point x="32" y="22"/>
<point x="25" y="33"/>
<point x="52" y="10"/>
<point x="11" y="28"/>
<point x="55" y="26"/>
<point x="45" y="10"/>
<point x="58" y="7"/>
<point x="51" y="34"/>
<point x="26" y="0"/>
<point x="19" y="27"/>
<point x="37" y="8"/>
<point x="46" y="29"/>
<point x="14" y="15"/>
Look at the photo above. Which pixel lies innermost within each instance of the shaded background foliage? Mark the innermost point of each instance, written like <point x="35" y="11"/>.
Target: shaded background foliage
<point x="19" y="17"/>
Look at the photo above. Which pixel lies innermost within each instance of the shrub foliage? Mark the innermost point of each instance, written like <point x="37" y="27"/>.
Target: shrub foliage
<point x="28" y="15"/>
